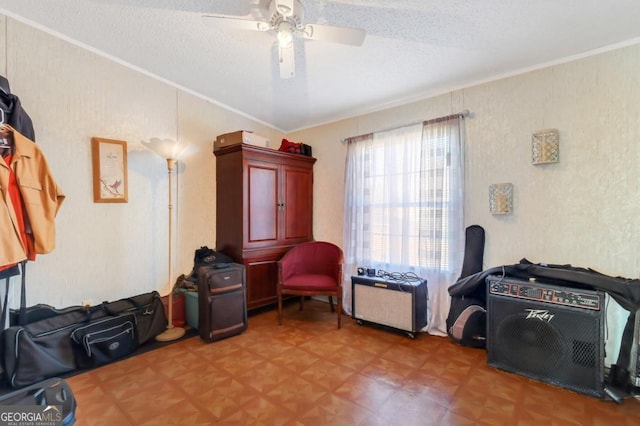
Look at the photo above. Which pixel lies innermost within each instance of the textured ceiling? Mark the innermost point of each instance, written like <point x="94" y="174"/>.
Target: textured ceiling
<point x="413" y="48"/>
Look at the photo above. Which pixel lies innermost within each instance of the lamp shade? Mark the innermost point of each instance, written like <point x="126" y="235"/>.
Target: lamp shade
<point x="170" y="149"/>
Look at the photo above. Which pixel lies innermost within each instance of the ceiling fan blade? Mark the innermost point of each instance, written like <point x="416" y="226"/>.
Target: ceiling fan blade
<point x="286" y="62"/>
<point x="285" y="7"/>
<point x="219" y="21"/>
<point x="351" y="36"/>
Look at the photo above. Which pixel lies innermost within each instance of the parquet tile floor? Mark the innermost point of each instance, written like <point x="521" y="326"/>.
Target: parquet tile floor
<point x="307" y="372"/>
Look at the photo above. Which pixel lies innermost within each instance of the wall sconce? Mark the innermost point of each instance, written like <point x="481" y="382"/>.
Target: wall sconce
<point x="545" y="147"/>
<point x="501" y="198"/>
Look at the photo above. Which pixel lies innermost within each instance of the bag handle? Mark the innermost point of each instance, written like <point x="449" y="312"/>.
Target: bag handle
<point x="53" y="392"/>
<point x="23" y="299"/>
<point x="22" y="318"/>
<point x="3" y="321"/>
<point x="135" y="304"/>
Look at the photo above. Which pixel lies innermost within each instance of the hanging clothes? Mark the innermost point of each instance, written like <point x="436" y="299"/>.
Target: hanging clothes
<point x="14" y="114"/>
<point x="41" y="198"/>
<point x="19" y="213"/>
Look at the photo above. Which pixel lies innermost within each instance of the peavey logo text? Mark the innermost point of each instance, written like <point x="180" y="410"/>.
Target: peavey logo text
<point x="541" y="314"/>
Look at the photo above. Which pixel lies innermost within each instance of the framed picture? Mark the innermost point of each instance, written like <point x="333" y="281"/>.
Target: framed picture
<point x="109" y="159"/>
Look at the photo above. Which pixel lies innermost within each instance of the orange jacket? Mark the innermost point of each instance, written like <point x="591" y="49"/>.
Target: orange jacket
<point x="42" y="199"/>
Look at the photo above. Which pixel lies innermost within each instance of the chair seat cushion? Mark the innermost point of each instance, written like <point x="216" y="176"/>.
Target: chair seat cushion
<point x="310" y="282"/>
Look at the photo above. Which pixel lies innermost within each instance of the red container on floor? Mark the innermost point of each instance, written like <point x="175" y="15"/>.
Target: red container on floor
<point x="178" y="308"/>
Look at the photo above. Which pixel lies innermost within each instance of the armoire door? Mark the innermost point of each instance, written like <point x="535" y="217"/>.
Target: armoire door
<point x="262" y="213"/>
<point x="296" y="205"/>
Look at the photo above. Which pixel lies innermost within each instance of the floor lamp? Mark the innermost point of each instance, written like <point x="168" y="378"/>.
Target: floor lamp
<point x="171" y="151"/>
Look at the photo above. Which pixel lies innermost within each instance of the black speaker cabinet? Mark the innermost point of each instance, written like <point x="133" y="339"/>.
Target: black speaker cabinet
<point x="635" y="352"/>
<point x="545" y="332"/>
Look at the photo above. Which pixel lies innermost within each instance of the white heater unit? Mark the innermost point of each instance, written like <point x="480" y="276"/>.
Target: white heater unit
<point x="393" y="303"/>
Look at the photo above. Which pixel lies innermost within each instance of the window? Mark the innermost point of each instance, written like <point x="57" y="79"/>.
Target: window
<point x="403" y="201"/>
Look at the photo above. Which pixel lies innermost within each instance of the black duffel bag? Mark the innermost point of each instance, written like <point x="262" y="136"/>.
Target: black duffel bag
<point x="38" y="312"/>
<point x="105" y="340"/>
<point x="43" y="348"/>
<point x="149" y="311"/>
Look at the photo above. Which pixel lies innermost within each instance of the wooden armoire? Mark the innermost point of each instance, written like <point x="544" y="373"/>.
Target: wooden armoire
<point x="264" y="207"/>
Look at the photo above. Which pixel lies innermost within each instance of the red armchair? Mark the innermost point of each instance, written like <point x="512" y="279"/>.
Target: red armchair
<point x="311" y="269"/>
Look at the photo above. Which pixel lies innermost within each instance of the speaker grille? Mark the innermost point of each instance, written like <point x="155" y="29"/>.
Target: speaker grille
<point x="529" y="345"/>
<point x="386" y="307"/>
<point x="557" y="344"/>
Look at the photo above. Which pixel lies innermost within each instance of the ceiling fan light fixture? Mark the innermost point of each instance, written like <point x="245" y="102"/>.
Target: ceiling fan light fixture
<point x="285" y="38"/>
<point x="285" y="34"/>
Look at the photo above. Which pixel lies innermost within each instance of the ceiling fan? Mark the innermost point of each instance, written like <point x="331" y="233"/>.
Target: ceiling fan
<point x="286" y="20"/>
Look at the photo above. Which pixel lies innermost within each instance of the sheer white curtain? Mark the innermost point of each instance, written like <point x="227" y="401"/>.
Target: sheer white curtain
<point x="404" y="208"/>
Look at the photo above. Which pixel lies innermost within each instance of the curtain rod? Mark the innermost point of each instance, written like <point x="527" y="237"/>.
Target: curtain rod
<point x="462" y="114"/>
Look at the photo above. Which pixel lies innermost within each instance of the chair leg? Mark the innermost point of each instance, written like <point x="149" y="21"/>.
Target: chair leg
<point x="301" y="302"/>
<point x="279" y="309"/>
<point x="339" y="308"/>
<point x="331" y="303"/>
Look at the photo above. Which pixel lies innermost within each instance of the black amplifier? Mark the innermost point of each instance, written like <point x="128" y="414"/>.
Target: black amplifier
<point x="635" y="361"/>
<point x="547" y="332"/>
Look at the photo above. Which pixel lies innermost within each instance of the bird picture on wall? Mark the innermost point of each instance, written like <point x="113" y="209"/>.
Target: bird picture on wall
<point x="112" y="188"/>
